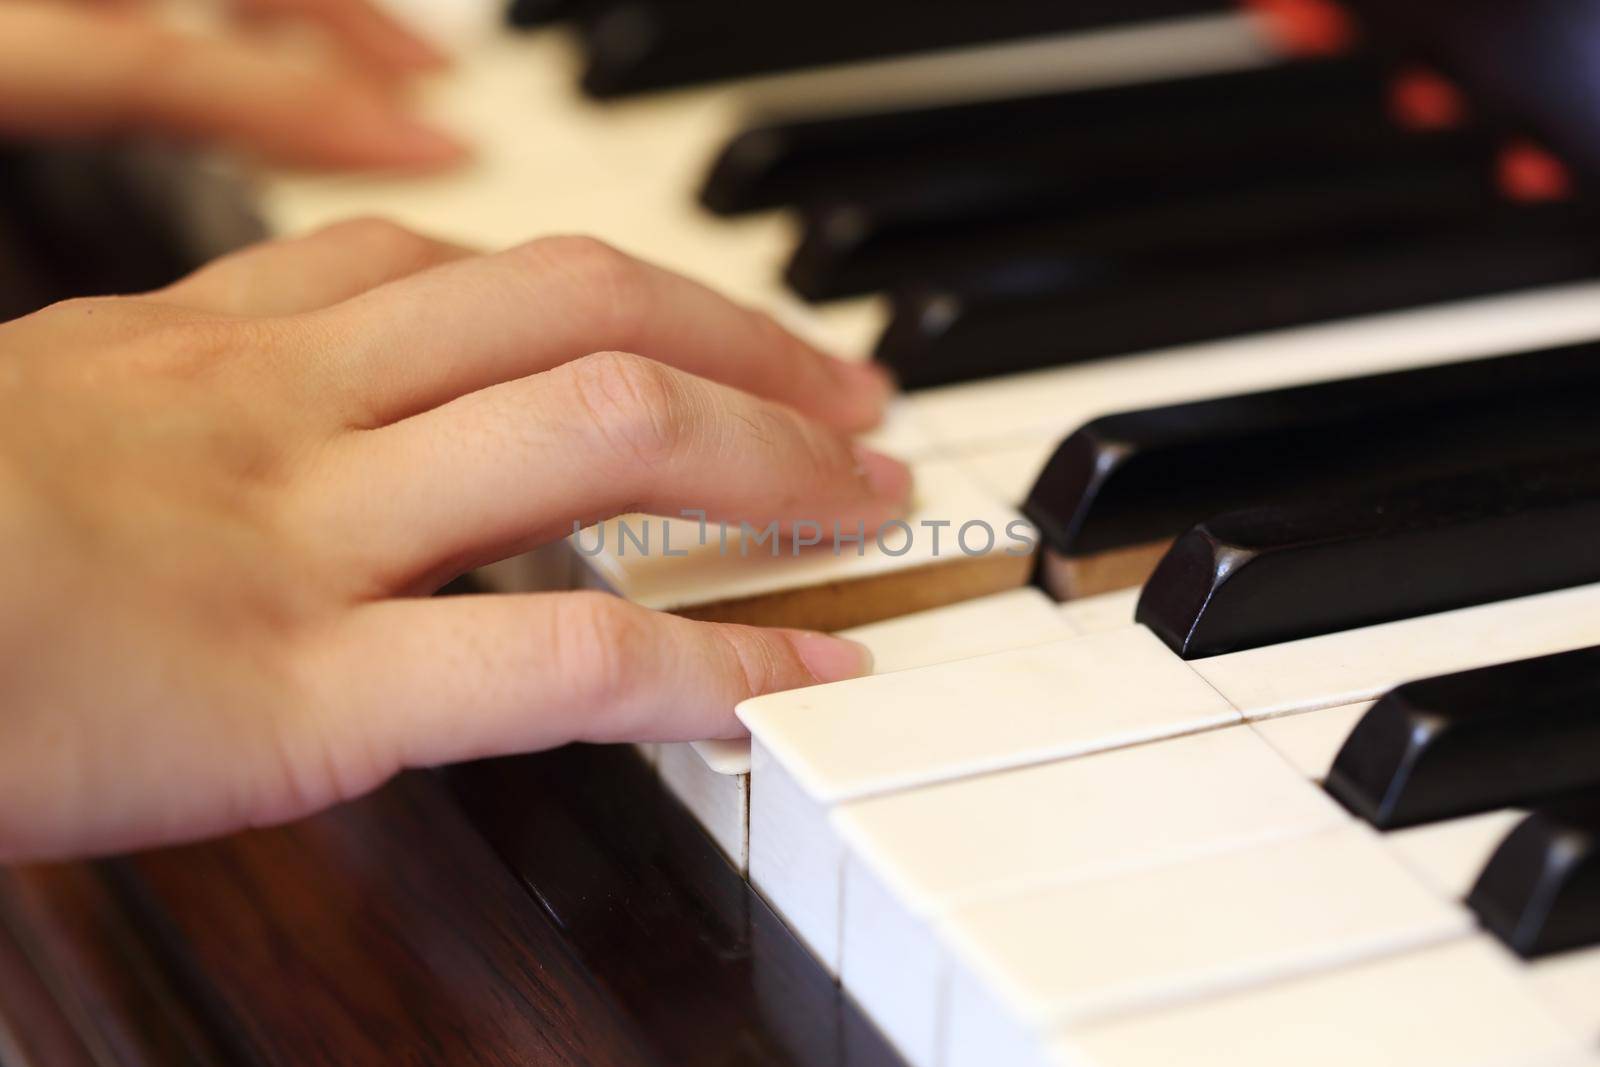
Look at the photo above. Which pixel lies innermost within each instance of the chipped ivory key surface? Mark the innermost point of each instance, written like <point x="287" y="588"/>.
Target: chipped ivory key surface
<point x="981" y="547"/>
<point x="915" y="856"/>
<point x="711" y="778"/>
<point x="1039" y="963"/>
<point x="1460" y="1004"/>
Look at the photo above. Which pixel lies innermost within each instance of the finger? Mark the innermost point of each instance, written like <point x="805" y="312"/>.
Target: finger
<point x="366" y="32"/>
<point x="515" y="465"/>
<point x="317" y="270"/>
<point x="426" y="340"/>
<point x="66" y="70"/>
<point x="426" y="681"/>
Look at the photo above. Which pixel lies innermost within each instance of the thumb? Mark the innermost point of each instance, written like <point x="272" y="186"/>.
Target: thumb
<point x="431" y="681"/>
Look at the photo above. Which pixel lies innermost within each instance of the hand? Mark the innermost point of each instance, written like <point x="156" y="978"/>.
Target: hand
<point x="216" y="498"/>
<point x="69" y="69"/>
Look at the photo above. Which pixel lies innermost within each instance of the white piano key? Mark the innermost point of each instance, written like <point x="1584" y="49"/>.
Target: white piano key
<point x="1053" y="403"/>
<point x="900" y="434"/>
<point x="695" y="574"/>
<point x="1569" y="983"/>
<point x="455" y="23"/>
<point x="1450" y="855"/>
<point x="1007" y="709"/>
<point x="1032" y="965"/>
<point x="818" y="747"/>
<point x="1056" y="63"/>
<point x="720" y="801"/>
<point x="1460" y="1004"/>
<point x="1008" y="470"/>
<point x="795" y="858"/>
<point x="915" y="856"/>
<point x="712" y="778"/>
<point x="1016" y="618"/>
<point x="548" y="160"/>
<point x="1311" y="740"/>
<point x="548" y="568"/>
<point x="1355" y="665"/>
<point x="1106" y="611"/>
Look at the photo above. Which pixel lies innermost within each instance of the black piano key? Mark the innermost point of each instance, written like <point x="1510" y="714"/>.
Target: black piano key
<point x="961" y="236"/>
<point x="1513" y="735"/>
<point x="1540" y="892"/>
<point x="1043" y="315"/>
<point x="524" y="14"/>
<point x="635" y="45"/>
<point x="1146" y="476"/>
<point x="1074" y="143"/>
<point x="1277" y="573"/>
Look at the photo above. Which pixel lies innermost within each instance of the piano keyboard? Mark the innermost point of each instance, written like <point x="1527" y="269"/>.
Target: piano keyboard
<point x="1103" y="832"/>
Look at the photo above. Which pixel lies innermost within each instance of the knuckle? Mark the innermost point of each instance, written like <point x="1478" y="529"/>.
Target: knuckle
<point x="758" y="663"/>
<point x="809" y="448"/>
<point x="635" y="405"/>
<point x="193" y="347"/>
<point x="381" y="238"/>
<point x="612" y="282"/>
<point x="602" y="638"/>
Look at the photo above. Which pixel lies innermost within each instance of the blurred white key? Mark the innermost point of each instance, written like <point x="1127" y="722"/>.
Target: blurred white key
<point x="1168" y="48"/>
<point x="1016" y="618"/>
<point x="1450" y="855"/>
<point x="1311" y="740"/>
<point x="1461" y="1004"/>
<point x="1569" y="982"/>
<point x="548" y="160"/>
<point x="675" y="564"/>
<point x="1106" y="611"/>
<point x="818" y="747"/>
<point x="1035" y="965"/>
<point x="712" y="778"/>
<point x="1009" y="470"/>
<point x="916" y="856"/>
<point x="1362" y="664"/>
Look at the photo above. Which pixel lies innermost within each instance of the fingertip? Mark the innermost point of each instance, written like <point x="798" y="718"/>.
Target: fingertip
<point x="407" y="142"/>
<point x="832" y="659"/>
<point x="887" y="479"/>
<point x="868" y="387"/>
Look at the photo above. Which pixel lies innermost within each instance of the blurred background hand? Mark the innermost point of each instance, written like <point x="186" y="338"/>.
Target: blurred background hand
<point x="315" y="83"/>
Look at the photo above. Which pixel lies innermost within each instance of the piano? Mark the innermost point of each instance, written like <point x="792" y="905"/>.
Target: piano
<point x="1275" y="326"/>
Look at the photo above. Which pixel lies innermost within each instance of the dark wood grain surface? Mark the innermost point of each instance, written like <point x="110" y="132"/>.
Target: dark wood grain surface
<point x="555" y="909"/>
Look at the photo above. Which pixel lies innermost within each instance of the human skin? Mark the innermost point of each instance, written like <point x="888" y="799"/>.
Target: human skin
<point x="221" y="504"/>
<point x="97" y="68"/>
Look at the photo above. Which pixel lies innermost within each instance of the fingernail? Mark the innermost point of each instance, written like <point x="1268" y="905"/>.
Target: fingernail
<point x="868" y="387"/>
<point x="833" y="659"/>
<point x="886" y="477"/>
